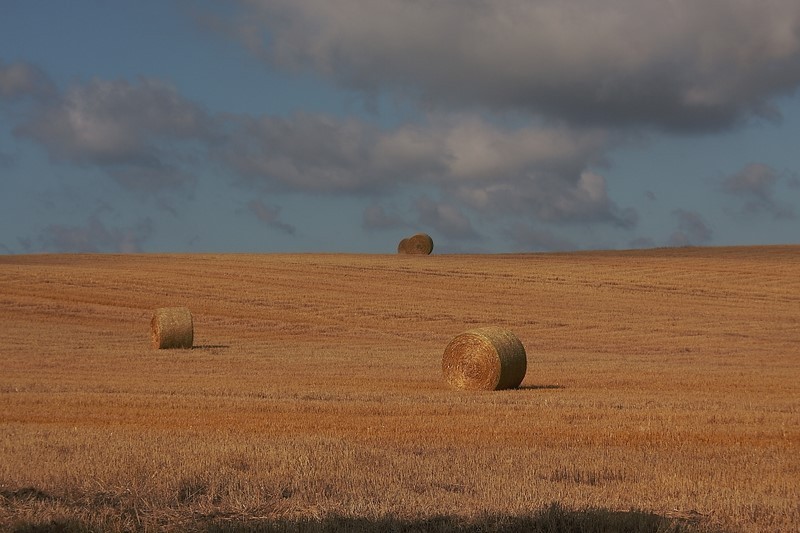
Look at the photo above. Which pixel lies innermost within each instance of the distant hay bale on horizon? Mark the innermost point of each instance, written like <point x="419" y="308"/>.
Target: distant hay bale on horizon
<point x="172" y="327"/>
<point x="488" y="358"/>
<point x="419" y="244"/>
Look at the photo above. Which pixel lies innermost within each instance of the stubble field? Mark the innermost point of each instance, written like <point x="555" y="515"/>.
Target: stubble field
<point x="662" y="393"/>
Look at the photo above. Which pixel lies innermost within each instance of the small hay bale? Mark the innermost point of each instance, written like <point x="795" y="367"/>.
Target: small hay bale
<point x="489" y="358"/>
<point x="419" y="244"/>
<point x="172" y="327"/>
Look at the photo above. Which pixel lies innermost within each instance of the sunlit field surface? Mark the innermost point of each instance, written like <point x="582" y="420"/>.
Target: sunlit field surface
<point x="662" y="393"/>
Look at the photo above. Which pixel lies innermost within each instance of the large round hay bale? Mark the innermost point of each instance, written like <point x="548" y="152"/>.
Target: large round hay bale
<point x="419" y="244"/>
<point x="172" y="327"/>
<point x="485" y="359"/>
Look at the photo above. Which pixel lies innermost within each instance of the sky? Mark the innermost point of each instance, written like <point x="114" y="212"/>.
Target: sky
<point x="271" y="126"/>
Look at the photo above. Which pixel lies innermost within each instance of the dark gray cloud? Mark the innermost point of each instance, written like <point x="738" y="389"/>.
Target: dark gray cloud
<point x="24" y="80"/>
<point x="93" y="237"/>
<point x="676" y="65"/>
<point x="269" y="216"/>
<point x="755" y="186"/>
<point x="129" y="129"/>
<point x="692" y="229"/>
<point x="445" y="218"/>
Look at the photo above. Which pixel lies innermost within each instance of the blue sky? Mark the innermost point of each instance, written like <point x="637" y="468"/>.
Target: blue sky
<point x="346" y="125"/>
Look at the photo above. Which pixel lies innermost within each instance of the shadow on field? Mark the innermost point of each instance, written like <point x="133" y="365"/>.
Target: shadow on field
<point x="211" y="347"/>
<point x="540" y="387"/>
<point x="554" y="519"/>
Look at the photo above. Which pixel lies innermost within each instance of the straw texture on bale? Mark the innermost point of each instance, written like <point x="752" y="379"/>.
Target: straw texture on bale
<point x="172" y="327"/>
<point x="485" y="359"/>
<point x="419" y="244"/>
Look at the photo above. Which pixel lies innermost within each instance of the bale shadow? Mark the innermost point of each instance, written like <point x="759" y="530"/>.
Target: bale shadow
<point x="211" y="347"/>
<point x="541" y="387"/>
<point x="553" y="519"/>
<point x="25" y="494"/>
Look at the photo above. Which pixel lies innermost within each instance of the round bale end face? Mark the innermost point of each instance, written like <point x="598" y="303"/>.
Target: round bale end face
<point x="172" y="327"/>
<point x="484" y="359"/>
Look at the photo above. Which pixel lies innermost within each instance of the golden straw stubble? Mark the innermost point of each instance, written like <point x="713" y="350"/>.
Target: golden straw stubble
<point x="172" y="327"/>
<point x="419" y="244"/>
<point x="488" y="358"/>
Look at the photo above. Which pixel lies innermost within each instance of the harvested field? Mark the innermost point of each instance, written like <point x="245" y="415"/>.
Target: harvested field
<point x="663" y="387"/>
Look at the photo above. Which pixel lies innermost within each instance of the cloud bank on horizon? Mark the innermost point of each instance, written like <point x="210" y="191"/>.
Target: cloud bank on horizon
<point x="495" y="124"/>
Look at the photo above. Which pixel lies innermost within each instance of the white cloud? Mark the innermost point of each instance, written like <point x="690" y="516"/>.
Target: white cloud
<point x="550" y="197"/>
<point x="539" y="172"/>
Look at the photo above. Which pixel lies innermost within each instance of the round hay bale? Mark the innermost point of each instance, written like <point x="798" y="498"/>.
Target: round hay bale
<point x="172" y="327"/>
<point x="485" y="359"/>
<point x="401" y="248"/>
<point x="419" y="244"/>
